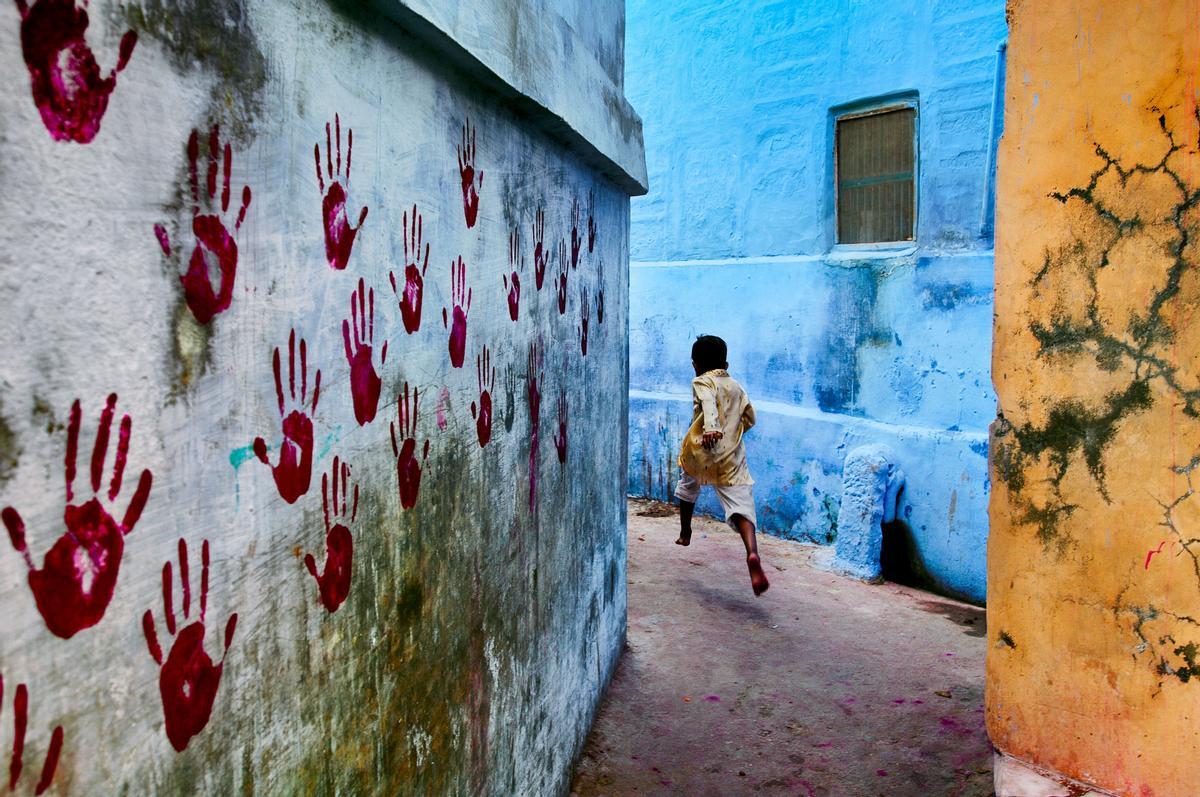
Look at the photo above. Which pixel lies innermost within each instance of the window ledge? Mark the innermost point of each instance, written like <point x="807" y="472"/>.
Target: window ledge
<point x="881" y="251"/>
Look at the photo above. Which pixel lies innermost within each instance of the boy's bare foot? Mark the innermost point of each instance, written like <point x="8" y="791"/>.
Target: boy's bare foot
<point x="685" y="538"/>
<point x="758" y="579"/>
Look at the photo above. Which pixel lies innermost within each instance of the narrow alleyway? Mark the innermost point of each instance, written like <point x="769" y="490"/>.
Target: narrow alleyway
<point x="824" y="686"/>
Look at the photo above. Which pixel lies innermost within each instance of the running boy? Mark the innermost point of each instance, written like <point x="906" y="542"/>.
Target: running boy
<point x="713" y="452"/>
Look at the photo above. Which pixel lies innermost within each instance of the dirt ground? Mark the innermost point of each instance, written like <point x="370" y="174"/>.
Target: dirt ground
<point x="823" y="686"/>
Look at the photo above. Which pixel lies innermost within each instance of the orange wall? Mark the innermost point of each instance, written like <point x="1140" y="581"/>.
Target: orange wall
<point x="1094" y="553"/>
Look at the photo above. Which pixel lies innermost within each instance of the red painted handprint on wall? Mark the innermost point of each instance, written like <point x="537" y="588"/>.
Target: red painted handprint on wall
<point x="591" y="224"/>
<point x="408" y="468"/>
<point x="79" y="573"/>
<point x="365" y="383"/>
<point x="472" y="181"/>
<point x="576" y="239"/>
<point x="294" y="471"/>
<point x="541" y="253"/>
<point x="333" y="582"/>
<point x="560" y="439"/>
<point x="339" y="235"/>
<point x="560" y="282"/>
<point x="482" y="414"/>
<point x="584" y="312"/>
<point x="415" y="265"/>
<point x="512" y="284"/>
<point x="215" y="248"/>
<point x="20" y="721"/>
<point x="68" y="90"/>
<point x="188" y="679"/>
<point x="533" y="396"/>
<point x="455" y="318"/>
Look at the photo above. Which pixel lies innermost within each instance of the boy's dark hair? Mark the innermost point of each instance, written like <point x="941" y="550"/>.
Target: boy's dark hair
<point x="708" y="353"/>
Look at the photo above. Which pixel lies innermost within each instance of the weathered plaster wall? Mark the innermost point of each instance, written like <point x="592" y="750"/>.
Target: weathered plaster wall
<point x="1093" y="580"/>
<point x="836" y="348"/>
<point x="470" y="598"/>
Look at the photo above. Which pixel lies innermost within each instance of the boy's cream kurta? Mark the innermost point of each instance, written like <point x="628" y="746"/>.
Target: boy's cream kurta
<point x="719" y="404"/>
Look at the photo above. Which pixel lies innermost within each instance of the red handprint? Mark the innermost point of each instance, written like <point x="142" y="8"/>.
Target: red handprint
<point x="576" y="240"/>
<point x="591" y="224"/>
<point x="415" y="265"/>
<point x="67" y="88"/>
<point x="513" y="285"/>
<point x="188" y="679"/>
<point x="584" y="311"/>
<point x="79" y="572"/>
<point x="560" y="439"/>
<point x="408" y="469"/>
<point x="364" y="380"/>
<point x="333" y="583"/>
<point x="294" y="471"/>
<point x="466" y="170"/>
<point x="486" y="375"/>
<point x="455" y="319"/>
<point x="533" y="395"/>
<point x="339" y="235"/>
<point x="17" y="762"/>
<point x="214" y="245"/>
<point x="540" y="253"/>
<point x="561" y="282"/>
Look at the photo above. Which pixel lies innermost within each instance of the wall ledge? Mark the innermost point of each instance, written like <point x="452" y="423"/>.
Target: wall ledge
<point x="821" y="259"/>
<point x="841" y="419"/>
<point x="529" y="55"/>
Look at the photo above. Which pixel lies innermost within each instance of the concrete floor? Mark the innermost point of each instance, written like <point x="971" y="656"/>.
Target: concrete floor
<point x="823" y="686"/>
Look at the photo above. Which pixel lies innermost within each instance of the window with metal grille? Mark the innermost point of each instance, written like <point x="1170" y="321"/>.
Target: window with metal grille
<point x="876" y="176"/>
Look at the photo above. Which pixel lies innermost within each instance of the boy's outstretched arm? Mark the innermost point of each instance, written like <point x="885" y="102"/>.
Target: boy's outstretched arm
<point x="707" y="399"/>
<point x="748" y="417"/>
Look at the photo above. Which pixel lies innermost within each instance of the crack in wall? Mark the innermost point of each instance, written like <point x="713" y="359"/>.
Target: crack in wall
<point x="1075" y="429"/>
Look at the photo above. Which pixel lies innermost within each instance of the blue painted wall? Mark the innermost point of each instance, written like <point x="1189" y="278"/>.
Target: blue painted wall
<point x="837" y="347"/>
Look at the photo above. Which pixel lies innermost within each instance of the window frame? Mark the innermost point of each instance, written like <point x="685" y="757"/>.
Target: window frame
<point x="873" y="107"/>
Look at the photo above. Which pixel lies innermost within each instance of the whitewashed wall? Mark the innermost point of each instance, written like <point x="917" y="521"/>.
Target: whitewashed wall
<point x="479" y="628"/>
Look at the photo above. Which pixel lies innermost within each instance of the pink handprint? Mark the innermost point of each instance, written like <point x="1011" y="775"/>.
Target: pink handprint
<point x="17" y="762"/>
<point x="188" y="679"/>
<point x="466" y="170"/>
<point x="214" y="247"/>
<point x="415" y="265"/>
<point x="67" y="88"/>
<point x="79" y="572"/>
<point x="513" y="284"/>
<point x="294" y="471"/>
<point x="486" y="375"/>
<point x="339" y="235"/>
<point x="455" y="319"/>
<point x="576" y="240"/>
<point x="533" y="395"/>
<point x="560" y="439"/>
<point x="584" y="310"/>
<point x="540" y="252"/>
<point x="408" y="469"/>
<point x="333" y="583"/>
<point x="365" y="383"/>
<point x="561" y="282"/>
<point x="591" y="224"/>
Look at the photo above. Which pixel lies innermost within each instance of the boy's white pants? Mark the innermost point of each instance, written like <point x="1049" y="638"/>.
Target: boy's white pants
<point x="736" y="499"/>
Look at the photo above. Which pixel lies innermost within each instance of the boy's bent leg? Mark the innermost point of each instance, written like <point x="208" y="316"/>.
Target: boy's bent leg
<point x="685" y="522"/>
<point x="687" y="491"/>
<point x="738" y="502"/>
<point x="758" y="579"/>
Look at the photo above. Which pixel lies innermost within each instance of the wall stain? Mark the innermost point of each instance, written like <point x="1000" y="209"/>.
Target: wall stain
<point x="1117" y="206"/>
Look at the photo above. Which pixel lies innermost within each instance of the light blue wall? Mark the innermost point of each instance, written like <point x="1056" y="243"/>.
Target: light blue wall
<point x="736" y="239"/>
